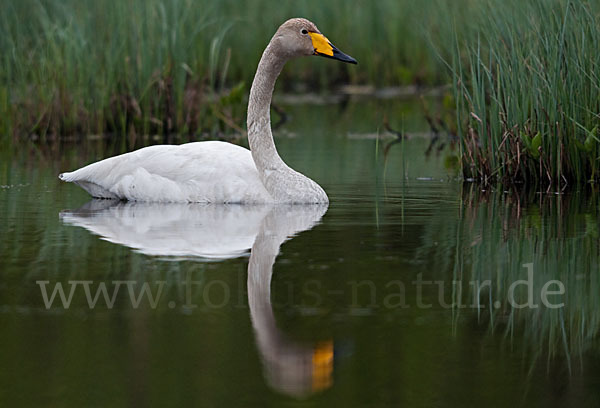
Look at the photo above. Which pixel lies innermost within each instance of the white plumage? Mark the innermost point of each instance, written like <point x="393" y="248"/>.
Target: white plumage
<point x="202" y="172"/>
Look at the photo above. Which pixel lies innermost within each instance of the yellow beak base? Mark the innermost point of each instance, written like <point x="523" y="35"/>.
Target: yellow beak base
<point x="321" y="44"/>
<point x="324" y="48"/>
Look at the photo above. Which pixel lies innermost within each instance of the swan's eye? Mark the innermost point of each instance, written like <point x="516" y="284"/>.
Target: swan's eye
<point x="304" y="31"/>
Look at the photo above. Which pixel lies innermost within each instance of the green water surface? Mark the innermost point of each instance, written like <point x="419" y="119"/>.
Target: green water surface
<point x="397" y="294"/>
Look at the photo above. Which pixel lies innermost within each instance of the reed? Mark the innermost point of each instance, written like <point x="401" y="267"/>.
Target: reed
<point x="168" y="67"/>
<point x="526" y="75"/>
<point x="96" y="67"/>
<point x="527" y="87"/>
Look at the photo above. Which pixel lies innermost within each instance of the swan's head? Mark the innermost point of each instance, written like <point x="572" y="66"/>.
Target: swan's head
<point x="299" y="37"/>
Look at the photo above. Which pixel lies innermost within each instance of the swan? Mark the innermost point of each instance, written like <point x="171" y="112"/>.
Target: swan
<point x="220" y="172"/>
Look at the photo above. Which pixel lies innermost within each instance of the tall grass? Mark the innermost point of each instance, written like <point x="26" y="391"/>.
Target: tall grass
<point x="527" y="86"/>
<point x="100" y="66"/>
<point x="161" y="66"/>
<point x="526" y="74"/>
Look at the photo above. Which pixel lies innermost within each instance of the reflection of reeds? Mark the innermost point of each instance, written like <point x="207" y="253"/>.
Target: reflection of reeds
<point x="493" y="235"/>
<point x="499" y="233"/>
<point x="527" y="87"/>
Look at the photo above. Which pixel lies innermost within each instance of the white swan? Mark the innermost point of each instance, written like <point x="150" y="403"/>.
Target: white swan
<point x="219" y="172"/>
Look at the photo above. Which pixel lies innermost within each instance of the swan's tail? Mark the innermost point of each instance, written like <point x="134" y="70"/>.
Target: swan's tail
<point x="86" y="173"/>
<point x="67" y="177"/>
<point x="95" y="190"/>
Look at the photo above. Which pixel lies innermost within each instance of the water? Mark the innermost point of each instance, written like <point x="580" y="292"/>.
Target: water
<point x="396" y="294"/>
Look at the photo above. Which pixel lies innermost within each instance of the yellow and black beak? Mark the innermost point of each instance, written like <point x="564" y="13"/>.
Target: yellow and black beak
<point x="324" y="48"/>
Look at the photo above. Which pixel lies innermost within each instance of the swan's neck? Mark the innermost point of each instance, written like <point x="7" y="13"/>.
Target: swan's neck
<point x="260" y="137"/>
<point x="282" y="183"/>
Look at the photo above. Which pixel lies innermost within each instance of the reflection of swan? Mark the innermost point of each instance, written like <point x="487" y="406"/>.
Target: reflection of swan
<point x="220" y="172"/>
<point x="211" y="231"/>
<point x="181" y="230"/>
<point x="292" y="368"/>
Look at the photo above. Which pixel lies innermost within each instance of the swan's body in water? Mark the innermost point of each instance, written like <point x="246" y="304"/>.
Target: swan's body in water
<point x="219" y="172"/>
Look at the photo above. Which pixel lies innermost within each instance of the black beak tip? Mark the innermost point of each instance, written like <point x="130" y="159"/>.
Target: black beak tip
<point x="338" y="55"/>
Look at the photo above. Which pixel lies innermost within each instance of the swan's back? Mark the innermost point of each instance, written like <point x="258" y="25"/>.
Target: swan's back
<point x="205" y="172"/>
